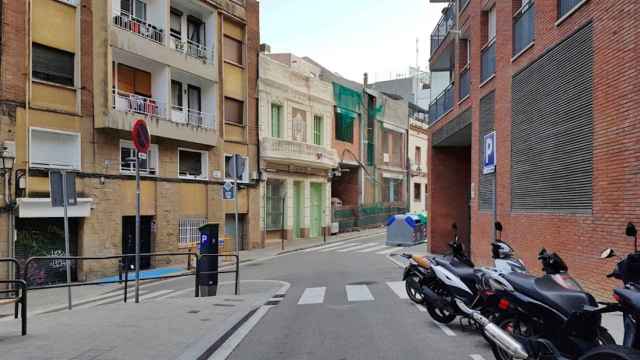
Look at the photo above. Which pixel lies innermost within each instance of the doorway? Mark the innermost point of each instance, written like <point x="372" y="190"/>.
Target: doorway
<point x="230" y="230"/>
<point x="129" y="239"/>
<point x="317" y="209"/>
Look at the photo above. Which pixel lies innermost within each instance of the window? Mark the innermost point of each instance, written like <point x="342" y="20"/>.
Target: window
<point x="233" y="50"/>
<point x="276" y="121"/>
<point x="137" y="8"/>
<point x="176" y="95"/>
<point x="298" y="125"/>
<point x="491" y="26"/>
<point x="228" y="166"/>
<point x="417" y="187"/>
<point x="392" y="190"/>
<point x="418" y="157"/>
<point x="134" y="81"/>
<point x="233" y="111"/>
<point x="54" y="149"/>
<point x="195" y="30"/>
<point x="148" y="166"/>
<point x="318" y="127"/>
<point x="344" y="125"/>
<point x="192" y="164"/>
<point x="188" y="230"/>
<point x="274" y="207"/>
<point x="53" y="65"/>
<point x="176" y="23"/>
<point x="566" y="7"/>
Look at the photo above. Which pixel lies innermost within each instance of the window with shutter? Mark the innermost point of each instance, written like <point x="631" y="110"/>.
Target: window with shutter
<point x="276" y="120"/>
<point x="233" y="111"/>
<point x="318" y="130"/>
<point x="233" y="50"/>
<point x="53" y="65"/>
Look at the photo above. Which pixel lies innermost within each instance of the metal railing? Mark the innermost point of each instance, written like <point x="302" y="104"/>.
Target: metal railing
<point x="464" y="85"/>
<point x="446" y="23"/>
<point x="488" y="61"/>
<point x="441" y="105"/>
<point x="196" y="118"/>
<point x="564" y="6"/>
<point x="126" y="102"/>
<point x="128" y="22"/>
<point x="18" y="291"/>
<point x="193" y="49"/>
<point x="524" y="22"/>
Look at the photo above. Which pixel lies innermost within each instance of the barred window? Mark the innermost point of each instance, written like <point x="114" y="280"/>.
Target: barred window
<point x="189" y="231"/>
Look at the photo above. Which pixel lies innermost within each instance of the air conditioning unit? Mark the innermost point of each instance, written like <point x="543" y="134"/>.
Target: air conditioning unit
<point x="385" y="157"/>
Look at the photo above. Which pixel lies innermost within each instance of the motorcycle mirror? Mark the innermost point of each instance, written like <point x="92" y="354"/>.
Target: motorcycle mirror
<point x="498" y="226"/>
<point x="631" y="230"/>
<point x="607" y="253"/>
<point x="454" y="226"/>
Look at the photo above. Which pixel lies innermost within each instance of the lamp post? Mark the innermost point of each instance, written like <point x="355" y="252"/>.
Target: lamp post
<point x="7" y="158"/>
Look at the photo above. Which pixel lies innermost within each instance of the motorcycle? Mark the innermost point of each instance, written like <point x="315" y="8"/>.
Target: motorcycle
<point x="438" y="280"/>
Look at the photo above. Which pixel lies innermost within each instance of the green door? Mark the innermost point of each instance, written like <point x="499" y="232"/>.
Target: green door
<point x="298" y="208"/>
<point x="316" y="210"/>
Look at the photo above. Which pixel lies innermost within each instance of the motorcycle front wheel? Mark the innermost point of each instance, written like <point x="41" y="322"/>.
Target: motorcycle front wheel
<point x="441" y="315"/>
<point x="412" y="286"/>
<point x="611" y="352"/>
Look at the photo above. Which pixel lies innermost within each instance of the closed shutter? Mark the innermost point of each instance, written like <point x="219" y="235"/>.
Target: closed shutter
<point x="142" y="83"/>
<point x="552" y="129"/>
<point x="487" y="125"/>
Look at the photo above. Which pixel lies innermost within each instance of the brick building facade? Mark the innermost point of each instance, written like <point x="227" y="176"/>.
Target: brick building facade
<point x="556" y="81"/>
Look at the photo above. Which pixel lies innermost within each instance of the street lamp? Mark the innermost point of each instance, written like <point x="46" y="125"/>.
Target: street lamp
<point x="8" y="160"/>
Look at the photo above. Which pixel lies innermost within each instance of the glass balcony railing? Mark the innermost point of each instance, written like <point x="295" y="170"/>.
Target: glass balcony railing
<point x="464" y="84"/>
<point x="441" y="105"/>
<point x="446" y="23"/>
<point x="462" y="4"/>
<point x="488" y="60"/>
<point x="524" y="27"/>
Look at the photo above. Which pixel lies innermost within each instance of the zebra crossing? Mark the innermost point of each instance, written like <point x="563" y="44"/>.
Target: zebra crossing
<point x="354" y="293"/>
<point x="354" y="247"/>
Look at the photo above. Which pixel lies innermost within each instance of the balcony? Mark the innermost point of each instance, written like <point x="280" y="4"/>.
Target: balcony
<point x="441" y="105"/>
<point x="130" y="23"/>
<point x="193" y="49"/>
<point x="524" y="22"/>
<point x="298" y="153"/>
<point x="446" y="23"/>
<point x="464" y="85"/>
<point x="488" y="62"/>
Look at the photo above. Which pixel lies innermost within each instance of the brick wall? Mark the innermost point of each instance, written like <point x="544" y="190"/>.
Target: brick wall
<point x="12" y="63"/>
<point x="616" y="160"/>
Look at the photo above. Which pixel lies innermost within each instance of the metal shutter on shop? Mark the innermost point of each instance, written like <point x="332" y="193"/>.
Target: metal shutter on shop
<point x="487" y="125"/>
<point x="552" y="129"/>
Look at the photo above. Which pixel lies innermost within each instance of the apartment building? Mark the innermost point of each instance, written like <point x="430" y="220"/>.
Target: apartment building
<point x="187" y="67"/>
<point x="296" y="152"/>
<point x="554" y="79"/>
<point x="418" y="150"/>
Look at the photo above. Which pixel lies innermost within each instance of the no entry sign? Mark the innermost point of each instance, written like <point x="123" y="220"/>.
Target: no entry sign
<point x="140" y="136"/>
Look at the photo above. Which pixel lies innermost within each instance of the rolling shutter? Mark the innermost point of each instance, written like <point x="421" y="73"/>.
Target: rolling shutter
<point x="487" y="125"/>
<point x="552" y="129"/>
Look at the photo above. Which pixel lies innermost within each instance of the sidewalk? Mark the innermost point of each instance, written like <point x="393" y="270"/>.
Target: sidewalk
<point x="171" y="328"/>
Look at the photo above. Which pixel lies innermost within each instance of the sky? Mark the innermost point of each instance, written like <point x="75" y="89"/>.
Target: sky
<point x="352" y="37"/>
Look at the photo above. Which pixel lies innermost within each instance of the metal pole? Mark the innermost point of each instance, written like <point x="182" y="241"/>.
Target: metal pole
<point x="325" y="227"/>
<point x="235" y="182"/>
<point x="65" y="200"/>
<point x="495" y="201"/>
<point x="137" y="296"/>
<point x="282" y="232"/>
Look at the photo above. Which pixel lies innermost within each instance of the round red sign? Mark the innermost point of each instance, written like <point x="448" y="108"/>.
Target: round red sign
<point x="140" y="136"/>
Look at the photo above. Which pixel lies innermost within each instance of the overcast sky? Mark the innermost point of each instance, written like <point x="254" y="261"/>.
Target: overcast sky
<point x="351" y="37"/>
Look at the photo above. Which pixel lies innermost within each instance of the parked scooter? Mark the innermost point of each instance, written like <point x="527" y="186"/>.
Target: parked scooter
<point x="438" y="281"/>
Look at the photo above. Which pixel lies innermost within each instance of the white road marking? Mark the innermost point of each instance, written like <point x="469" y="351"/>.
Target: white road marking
<point x="338" y="247"/>
<point x="317" y="248"/>
<point x="476" y="357"/>
<point x="393" y="248"/>
<point x="420" y="308"/>
<point x="358" y="293"/>
<point x="176" y="293"/>
<point x="312" y="296"/>
<point x="113" y="299"/>
<point x="398" y="288"/>
<point x="234" y="340"/>
<point x="155" y="294"/>
<point x="372" y="249"/>
<point x="356" y="247"/>
<point x="445" y="329"/>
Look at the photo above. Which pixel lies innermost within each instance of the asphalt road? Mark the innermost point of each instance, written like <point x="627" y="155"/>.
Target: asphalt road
<point x="341" y="306"/>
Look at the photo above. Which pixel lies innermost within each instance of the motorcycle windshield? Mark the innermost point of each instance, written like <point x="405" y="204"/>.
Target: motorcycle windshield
<point x="567" y="282"/>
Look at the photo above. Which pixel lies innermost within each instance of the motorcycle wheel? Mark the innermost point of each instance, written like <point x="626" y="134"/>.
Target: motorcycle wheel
<point x="412" y="286"/>
<point x="513" y="325"/>
<point x="611" y="352"/>
<point x="604" y="338"/>
<point x="441" y="315"/>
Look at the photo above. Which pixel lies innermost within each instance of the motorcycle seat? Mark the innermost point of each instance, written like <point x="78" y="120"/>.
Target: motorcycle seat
<point x="549" y="292"/>
<point x="461" y="270"/>
<point x="628" y="296"/>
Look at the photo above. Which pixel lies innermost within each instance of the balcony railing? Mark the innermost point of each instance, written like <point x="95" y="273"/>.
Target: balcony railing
<point x="294" y="151"/>
<point x="128" y="22"/>
<point x="126" y="102"/>
<point x="441" y="105"/>
<point x="564" y="6"/>
<point x="183" y="115"/>
<point x="488" y="60"/>
<point x="523" y="27"/>
<point x="464" y="84"/>
<point x="192" y="49"/>
<point x="446" y="23"/>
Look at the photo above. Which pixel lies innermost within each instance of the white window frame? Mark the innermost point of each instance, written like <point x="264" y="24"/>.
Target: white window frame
<point x="204" y="163"/>
<point x="153" y="159"/>
<point x="491" y="24"/>
<point x="245" y="176"/>
<point x="75" y="165"/>
<point x="188" y="231"/>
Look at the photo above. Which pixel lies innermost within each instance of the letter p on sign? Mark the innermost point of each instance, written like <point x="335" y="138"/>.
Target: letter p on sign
<point x="489" y="165"/>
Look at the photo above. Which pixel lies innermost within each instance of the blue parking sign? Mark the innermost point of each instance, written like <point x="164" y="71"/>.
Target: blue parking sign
<point x="489" y="158"/>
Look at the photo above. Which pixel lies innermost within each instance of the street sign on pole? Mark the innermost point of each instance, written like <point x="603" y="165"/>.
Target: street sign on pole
<point x="228" y="191"/>
<point x="62" y="185"/>
<point x="489" y="158"/>
<point x="141" y="141"/>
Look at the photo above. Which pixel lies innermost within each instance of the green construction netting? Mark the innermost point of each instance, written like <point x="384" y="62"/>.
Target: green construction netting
<point x="376" y="111"/>
<point x="347" y="98"/>
<point x="344" y="124"/>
